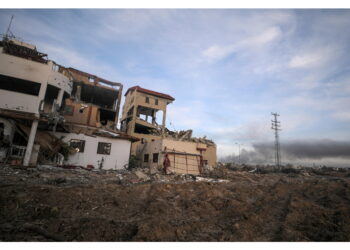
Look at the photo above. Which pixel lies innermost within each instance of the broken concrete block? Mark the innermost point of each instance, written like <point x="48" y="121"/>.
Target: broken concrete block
<point x="141" y="175"/>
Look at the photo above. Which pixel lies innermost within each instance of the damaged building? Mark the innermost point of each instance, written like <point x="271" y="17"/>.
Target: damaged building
<point x="91" y="117"/>
<point x="55" y="114"/>
<point x="51" y="114"/>
<point x="144" y="117"/>
<point x="144" y="114"/>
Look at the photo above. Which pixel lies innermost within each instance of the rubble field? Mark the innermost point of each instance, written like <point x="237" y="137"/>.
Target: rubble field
<point x="227" y="204"/>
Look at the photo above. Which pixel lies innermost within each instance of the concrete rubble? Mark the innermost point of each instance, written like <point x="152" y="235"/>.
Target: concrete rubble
<point x="182" y="135"/>
<point x="69" y="176"/>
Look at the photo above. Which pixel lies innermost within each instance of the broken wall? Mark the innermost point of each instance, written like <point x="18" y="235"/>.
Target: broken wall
<point x="150" y="148"/>
<point x="23" y="82"/>
<point x="78" y="113"/>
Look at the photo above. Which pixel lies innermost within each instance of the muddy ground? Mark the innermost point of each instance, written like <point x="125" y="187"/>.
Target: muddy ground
<point x="48" y="204"/>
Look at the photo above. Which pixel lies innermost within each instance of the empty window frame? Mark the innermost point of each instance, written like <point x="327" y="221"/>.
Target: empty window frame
<point x="145" y="157"/>
<point x="156" y="101"/>
<point x="147" y="99"/>
<point x="79" y="145"/>
<point x="155" y="158"/>
<point x="104" y="148"/>
<point x="19" y="85"/>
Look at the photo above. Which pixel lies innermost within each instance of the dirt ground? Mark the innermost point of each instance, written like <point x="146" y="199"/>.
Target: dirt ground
<point x="51" y="204"/>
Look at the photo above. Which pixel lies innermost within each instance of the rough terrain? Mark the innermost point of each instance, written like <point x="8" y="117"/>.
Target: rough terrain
<point x="53" y="204"/>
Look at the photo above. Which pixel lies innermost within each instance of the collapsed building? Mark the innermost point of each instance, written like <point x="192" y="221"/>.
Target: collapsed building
<point x="55" y="114"/>
<point x="144" y="117"/>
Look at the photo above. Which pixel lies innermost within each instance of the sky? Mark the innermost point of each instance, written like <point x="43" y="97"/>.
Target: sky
<point x="228" y="69"/>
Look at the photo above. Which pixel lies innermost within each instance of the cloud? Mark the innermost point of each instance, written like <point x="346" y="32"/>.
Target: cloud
<point x="246" y="132"/>
<point x="313" y="57"/>
<point x="182" y="117"/>
<point x="238" y="64"/>
<point x="343" y="116"/>
<point x="218" y="52"/>
<point x="306" y="61"/>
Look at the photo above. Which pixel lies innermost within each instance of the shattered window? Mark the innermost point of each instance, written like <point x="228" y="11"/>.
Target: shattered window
<point x="79" y="145"/>
<point x="147" y="99"/>
<point x="104" y="148"/>
<point x="155" y="158"/>
<point x="145" y="157"/>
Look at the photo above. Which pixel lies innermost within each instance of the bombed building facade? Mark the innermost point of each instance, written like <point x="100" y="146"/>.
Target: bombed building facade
<point x="57" y="115"/>
<point x="51" y="114"/>
<point x="144" y="117"/>
<point x="144" y="114"/>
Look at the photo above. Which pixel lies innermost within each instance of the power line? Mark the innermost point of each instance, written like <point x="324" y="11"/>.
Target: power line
<point x="276" y="126"/>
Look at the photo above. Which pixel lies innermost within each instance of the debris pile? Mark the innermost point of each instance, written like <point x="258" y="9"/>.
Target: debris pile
<point x="182" y="135"/>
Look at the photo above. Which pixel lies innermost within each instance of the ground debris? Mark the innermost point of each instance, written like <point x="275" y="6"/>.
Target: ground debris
<point x="228" y="204"/>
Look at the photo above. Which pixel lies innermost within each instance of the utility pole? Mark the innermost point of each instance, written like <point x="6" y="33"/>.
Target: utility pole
<point x="8" y="32"/>
<point x="276" y="126"/>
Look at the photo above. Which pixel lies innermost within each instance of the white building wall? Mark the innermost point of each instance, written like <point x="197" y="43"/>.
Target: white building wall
<point x="32" y="71"/>
<point x="119" y="156"/>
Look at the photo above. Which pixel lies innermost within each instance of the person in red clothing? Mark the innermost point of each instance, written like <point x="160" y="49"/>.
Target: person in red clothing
<point x="166" y="163"/>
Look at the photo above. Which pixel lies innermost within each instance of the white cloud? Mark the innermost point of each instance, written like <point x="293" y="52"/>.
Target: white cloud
<point x="217" y="52"/>
<point x="305" y="61"/>
<point x="342" y="115"/>
<point x="312" y="59"/>
<point x="182" y="117"/>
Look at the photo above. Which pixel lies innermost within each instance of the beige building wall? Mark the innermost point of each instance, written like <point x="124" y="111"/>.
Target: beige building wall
<point x="136" y="99"/>
<point x="150" y="148"/>
<point x="210" y="155"/>
<point x="184" y="156"/>
<point x="89" y="116"/>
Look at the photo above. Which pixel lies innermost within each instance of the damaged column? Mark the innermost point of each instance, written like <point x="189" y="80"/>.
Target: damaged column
<point x="30" y="143"/>
<point x="163" y="123"/>
<point x="34" y="127"/>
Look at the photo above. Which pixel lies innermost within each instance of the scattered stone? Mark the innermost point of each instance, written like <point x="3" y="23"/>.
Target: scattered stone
<point x="141" y="175"/>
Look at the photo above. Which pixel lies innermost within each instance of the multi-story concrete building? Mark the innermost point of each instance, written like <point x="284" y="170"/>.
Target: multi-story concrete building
<point x="31" y="87"/>
<point x="50" y="108"/>
<point x="144" y="114"/>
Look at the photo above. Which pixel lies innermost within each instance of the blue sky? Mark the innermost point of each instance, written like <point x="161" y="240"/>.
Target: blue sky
<point x="228" y="69"/>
